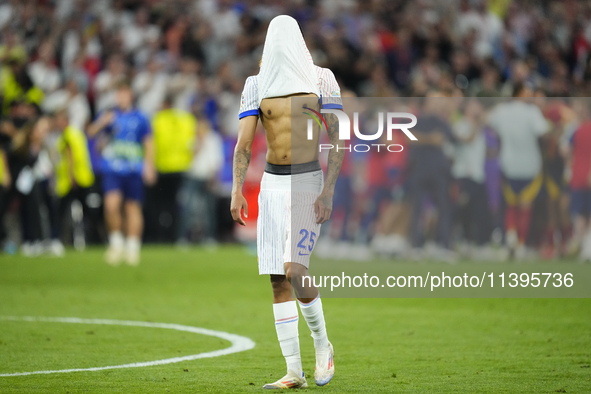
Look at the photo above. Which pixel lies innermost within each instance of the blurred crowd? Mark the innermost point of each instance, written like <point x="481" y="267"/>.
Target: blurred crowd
<point x="487" y="179"/>
<point x="62" y="60"/>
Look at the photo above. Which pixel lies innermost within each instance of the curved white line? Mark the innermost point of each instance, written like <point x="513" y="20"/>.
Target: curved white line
<point x="239" y="343"/>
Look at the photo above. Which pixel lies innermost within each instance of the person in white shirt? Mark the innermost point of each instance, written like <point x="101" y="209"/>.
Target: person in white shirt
<point x="150" y="87"/>
<point x="71" y="99"/>
<point x="44" y="71"/>
<point x="106" y="82"/>
<point x="184" y="84"/>
<point x="138" y="34"/>
<point x="197" y="198"/>
<point x="519" y="125"/>
<point x="485" y="23"/>
<point x="468" y="170"/>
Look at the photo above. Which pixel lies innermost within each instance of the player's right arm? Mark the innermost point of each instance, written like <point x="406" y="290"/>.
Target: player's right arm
<point x="104" y="120"/>
<point x="242" y="153"/>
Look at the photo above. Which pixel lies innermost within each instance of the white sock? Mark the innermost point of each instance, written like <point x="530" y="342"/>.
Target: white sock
<point x="116" y="240"/>
<point x="133" y="244"/>
<point x="314" y="316"/>
<point x="286" y="325"/>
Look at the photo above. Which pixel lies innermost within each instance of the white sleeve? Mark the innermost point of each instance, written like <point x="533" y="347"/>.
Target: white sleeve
<point x="249" y="99"/>
<point x="139" y="82"/>
<point x="101" y="82"/>
<point x="462" y="129"/>
<point x="540" y="124"/>
<point x="570" y="129"/>
<point x="329" y="89"/>
<point x="493" y="119"/>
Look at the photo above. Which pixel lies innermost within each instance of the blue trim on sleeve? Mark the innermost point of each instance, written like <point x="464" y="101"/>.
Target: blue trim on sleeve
<point x="332" y="106"/>
<point x="250" y="112"/>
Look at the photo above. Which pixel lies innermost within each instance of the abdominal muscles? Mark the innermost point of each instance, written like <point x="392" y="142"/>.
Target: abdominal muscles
<point x="286" y="129"/>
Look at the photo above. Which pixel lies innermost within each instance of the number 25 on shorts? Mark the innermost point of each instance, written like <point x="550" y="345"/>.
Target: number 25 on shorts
<point x="308" y="237"/>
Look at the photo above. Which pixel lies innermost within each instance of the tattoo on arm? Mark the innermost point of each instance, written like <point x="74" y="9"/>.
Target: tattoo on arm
<point x="241" y="163"/>
<point x="335" y="158"/>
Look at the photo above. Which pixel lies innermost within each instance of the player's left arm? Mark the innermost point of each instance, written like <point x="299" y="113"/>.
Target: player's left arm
<point x="323" y="204"/>
<point x="148" y="169"/>
<point x="331" y="98"/>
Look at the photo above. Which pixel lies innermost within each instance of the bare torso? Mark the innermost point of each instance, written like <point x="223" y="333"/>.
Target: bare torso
<point x="286" y="129"/>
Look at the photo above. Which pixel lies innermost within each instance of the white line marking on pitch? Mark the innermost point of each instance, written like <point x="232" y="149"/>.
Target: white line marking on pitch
<point x="239" y="343"/>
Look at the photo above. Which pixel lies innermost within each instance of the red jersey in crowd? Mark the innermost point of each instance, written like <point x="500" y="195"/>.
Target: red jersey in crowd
<point x="385" y="168"/>
<point x="581" y="158"/>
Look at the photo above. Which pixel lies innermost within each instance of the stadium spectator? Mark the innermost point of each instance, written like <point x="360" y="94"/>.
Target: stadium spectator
<point x="139" y="33"/>
<point x="388" y="208"/>
<point x="485" y="24"/>
<point x="184" y="84"/>
<point x="106" y="82"/>
<point x="73" y="100"/>
<point x="519" y="125"/>
<point x="44" y="71"/>
<point x="493" y="180"/>
<point x="487" y="85"/>
<point x="197" y="196"/>
<point x="16" y="85"/>
<point x="558" y="225"/>
<point x="580" y="183"/>
<point x="174" y="132"/>
<point x="12" y="49"/>
<point x="82" y="70"/>
<point x="73" y="171"/>
<point x="150" y="87"/>
<point x="429" y="175"/>
<point x="28" y="163"/>
<point x="468" y="169"/>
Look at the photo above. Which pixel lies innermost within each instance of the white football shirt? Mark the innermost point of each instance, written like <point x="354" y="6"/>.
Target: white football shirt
<point x="519" y="126"/>
<point x="330" y="93"/>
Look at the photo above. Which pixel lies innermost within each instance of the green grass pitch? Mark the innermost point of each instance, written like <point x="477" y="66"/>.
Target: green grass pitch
<point x="381" y="345"/>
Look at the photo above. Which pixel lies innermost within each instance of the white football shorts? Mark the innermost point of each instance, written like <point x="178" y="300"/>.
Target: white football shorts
<point x="286" y="226"/>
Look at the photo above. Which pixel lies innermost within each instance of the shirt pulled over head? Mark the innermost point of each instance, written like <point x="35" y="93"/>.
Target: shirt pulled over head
<point x="286" y="67"/>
